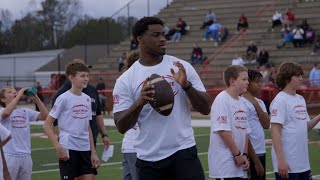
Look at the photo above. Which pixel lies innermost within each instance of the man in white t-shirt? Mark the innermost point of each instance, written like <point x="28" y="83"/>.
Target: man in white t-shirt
<point x="227" y="155"/>
<point x="290" y="124"/>
<point x="258" y="120"/>
<point x="75" y="148"/>
<point x="165" y="146"/>
<point x="17" y="121"/>
<point x="5" y="136"/>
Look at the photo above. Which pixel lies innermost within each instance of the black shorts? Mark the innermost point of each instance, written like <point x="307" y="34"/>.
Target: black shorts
<point x="183" y="164"/>
<point x="77" y="165"/>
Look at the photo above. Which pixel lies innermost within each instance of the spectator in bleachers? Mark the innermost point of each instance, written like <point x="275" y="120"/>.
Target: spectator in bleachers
<point x="213" y="31"/>
<point x="291" y="16"/>
<point x="180" y="29"/>
<point x="243" y="22"/>
<point x="265" y="71"/>
<point x="287" y="37"/>
<point x="263" y="57"/>
<point x="276" y="19"/>
<point x="210" y="19"/>
<point x="298" y="35"/>
<point x="102" y="86"/>
<point x="182" y="25"/>
<point x="304" y="25"/>
<point x="316" y="44"/>
<point x="237" y="60"/>
<point x="197" y="55"/>
<point x="223" y="34"/>
<point x="251" y="53"/>
<point x="314" y="76"/>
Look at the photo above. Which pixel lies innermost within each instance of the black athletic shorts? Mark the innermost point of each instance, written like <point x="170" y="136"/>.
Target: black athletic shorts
<point x="77" y="165"/>
<point x="182" y="165"/>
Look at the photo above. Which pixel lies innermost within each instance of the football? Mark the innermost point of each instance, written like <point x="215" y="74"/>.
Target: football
<point x="163" y="99"/>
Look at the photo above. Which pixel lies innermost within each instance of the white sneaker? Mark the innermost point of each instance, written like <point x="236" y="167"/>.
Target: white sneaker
<point x="211" y="39"/>
<point x="312" y="53"/>
<point x="204" y="39"/>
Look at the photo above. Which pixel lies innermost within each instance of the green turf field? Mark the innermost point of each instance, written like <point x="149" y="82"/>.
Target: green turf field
<point x="45" y="162"/>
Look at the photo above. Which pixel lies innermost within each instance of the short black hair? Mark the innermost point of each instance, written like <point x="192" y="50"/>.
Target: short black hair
<point x="141" y="26"/>
<point x="253" y="74"/>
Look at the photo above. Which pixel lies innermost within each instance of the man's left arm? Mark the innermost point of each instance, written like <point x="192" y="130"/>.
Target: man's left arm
<point x="200" y="100"/>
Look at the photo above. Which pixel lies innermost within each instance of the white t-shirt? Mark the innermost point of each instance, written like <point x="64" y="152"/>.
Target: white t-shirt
<point x="256" y="134"/>
<point x="19" y="125"/>
<point x="160" y="136"/>
<point x="238" y="61"/>
<point x="129" y="138"/>
<point x="298" y="33"/>
<point x="227" y="114"/>
<point x="290" y="111"/>
<point x="4" y="134"/>
<point x="73" y="113"/>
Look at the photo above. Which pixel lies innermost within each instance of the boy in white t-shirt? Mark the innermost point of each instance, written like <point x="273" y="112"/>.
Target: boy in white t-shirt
<point x="227" y="156"/>
<point x="165" y="146"/>
<point x="290" y="124"/>
<point x="17" y="121"/>
<point x="258" y="120"/>
<point x="75" y="149"/>
<point x="5" y="136"/>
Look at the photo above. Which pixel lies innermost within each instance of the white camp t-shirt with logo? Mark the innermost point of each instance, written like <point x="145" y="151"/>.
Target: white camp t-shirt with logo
<point x="227" y="114"/>
<point x="129" y="139"/>
<point x="160" y="136"/>
<point x="291" y="112"/>
<point x="18" y="123"/>
<point x="73" y="113"/>
<point x="256" y="134"/>
<point x="4" y="134"/>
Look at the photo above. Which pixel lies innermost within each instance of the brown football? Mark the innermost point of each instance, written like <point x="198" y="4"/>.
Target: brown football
<point x="163" y="99"/>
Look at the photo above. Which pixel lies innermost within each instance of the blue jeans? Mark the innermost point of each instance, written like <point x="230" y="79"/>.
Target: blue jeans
<point x="176" y="36"/>
<point x="196" y="60"/>
<point x="213" y="34"/>
<point x="296" y="176"/>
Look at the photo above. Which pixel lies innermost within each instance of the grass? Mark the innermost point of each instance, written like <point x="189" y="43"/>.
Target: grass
<point x="44" y="159"/>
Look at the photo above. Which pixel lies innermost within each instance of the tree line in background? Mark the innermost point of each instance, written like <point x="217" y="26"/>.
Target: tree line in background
<point x="59" y="24"/>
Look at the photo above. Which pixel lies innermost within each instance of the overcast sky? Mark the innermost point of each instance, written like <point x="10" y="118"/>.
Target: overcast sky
<point x="94" y="8"/>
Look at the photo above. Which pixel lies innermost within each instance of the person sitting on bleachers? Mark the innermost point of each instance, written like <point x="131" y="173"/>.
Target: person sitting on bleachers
<point x="291" y="16"/>
<point x="213" y="31"/>
<point x="182" y="25"/>
<point x="222" y="34"/>
<point x="210" y="19"/>
<point x="197" y="56"/>
<point x="316" y="44"/>
<point x="287" y="37"/>
<point x="243" y="22"/>
<point x="276" y="19"/>
<point x="251" y="53"/>
<point x="298" y="35"/>
<point x="263" y="57"/>
<point x="237" y="60"/>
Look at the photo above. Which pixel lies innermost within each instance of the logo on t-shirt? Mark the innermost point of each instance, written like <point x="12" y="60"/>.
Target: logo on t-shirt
<point x="116" y="99"/>
<point x="300" y="112"/>
<point x="274" y="112"/>
<point x="240" y="119"/>
<point x="80" y="111"/>
<point x="222" y="119"/>
<point x="19" y="122"/>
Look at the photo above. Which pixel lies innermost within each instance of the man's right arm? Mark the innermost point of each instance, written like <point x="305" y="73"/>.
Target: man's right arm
<point x="126" y="119"/>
